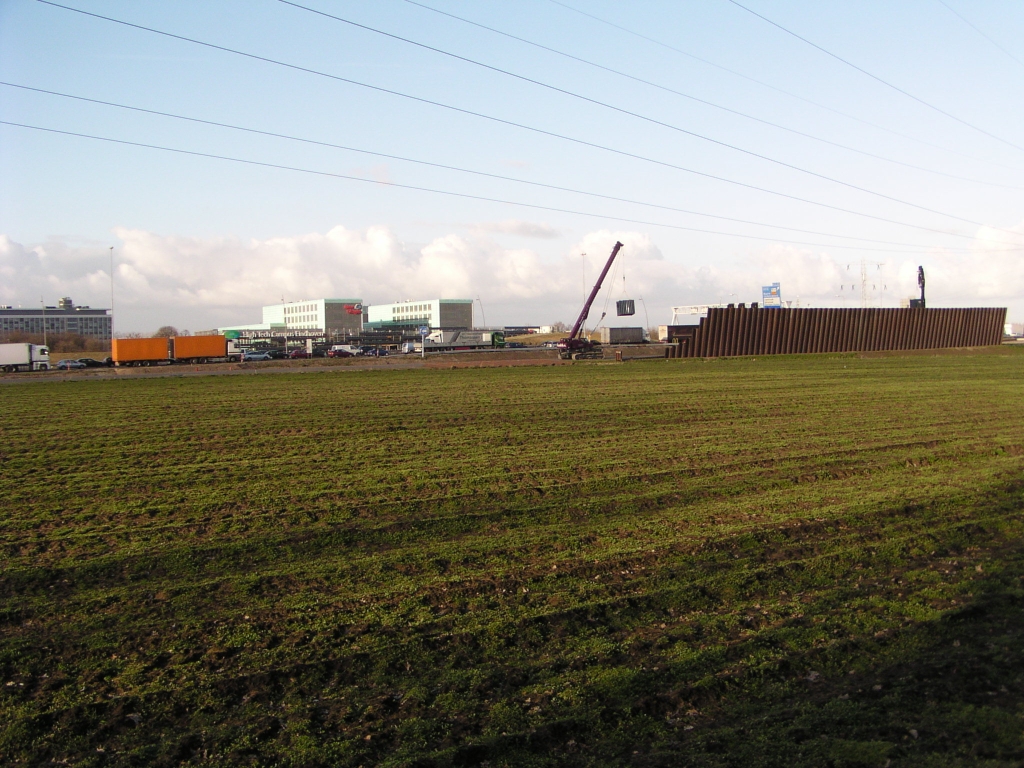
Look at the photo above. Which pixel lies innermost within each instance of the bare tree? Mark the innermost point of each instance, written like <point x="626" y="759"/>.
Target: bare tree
<point x="166" y="332"/>
<point x="559" y="327"/>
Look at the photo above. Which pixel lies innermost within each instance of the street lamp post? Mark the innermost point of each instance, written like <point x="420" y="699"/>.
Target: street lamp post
<point x="111" y="296"/>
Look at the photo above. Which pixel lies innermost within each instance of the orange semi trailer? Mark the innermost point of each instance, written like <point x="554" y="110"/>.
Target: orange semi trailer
<point x="198" y="348"/>
<point x="139" y="351"/>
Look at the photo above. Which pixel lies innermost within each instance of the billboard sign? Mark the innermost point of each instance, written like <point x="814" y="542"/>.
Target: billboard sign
<point x="771" y="296"/>
<point x="275" y="333"/>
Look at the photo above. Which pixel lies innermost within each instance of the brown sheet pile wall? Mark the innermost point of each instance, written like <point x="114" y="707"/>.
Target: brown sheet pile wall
<point x="729" y="331"/>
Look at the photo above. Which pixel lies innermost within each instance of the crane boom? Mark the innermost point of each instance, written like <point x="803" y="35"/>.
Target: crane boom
<point x="585" y="313"/>
<point x="573" y="346"/>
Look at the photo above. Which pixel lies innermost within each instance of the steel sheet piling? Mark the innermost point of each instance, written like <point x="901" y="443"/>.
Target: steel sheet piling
<point x="731" y="331"/>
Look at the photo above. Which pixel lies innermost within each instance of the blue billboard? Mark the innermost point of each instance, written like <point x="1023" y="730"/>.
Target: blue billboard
<point x="771" y="296"/>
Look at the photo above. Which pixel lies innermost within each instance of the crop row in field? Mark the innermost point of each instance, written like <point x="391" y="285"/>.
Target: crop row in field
<point x="799" y="561"/>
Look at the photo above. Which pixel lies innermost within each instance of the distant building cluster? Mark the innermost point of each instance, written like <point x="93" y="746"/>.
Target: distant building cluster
<point x="63" y="318"/>
<point x="350" y="317"/>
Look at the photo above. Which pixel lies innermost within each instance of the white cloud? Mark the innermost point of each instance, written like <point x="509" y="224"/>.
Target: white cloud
<point x="204" y="282"/>
<point x="987" y="275"/>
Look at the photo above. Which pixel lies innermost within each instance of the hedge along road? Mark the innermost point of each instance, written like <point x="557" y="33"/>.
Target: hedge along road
<point x="782" y="561"/>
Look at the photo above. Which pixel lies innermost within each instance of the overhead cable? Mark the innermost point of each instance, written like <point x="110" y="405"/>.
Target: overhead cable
<point x="484" y="174"/>
<point x="630" y="113"/>
<point x="708" y="103"/>
<point x="979" y="31"/>
<point x="512" y="123"/>
<point x="875" y="77"/>
<point x="771" y="87"/>
<point x="432" y="190"/>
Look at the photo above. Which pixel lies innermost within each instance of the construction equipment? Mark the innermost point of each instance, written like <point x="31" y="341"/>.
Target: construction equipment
<point x="575" y="346"/>
<point x="919" y="303"/>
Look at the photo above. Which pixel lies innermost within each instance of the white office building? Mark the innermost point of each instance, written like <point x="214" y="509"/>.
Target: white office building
<point x="433" y="313"/>
<point x="66" y="317"/>
<point x="332" y="316"/>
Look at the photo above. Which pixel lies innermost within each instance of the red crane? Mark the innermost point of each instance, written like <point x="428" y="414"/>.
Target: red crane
<point x="574" y="346"/>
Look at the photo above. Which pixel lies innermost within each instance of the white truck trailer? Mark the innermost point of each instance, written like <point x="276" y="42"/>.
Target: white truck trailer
<point x="24" y="357"/>
<point x="456" y="340"/>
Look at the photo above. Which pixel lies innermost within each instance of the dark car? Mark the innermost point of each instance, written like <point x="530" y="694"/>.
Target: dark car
<point x="276" y="354"/>
<point x="374" y="352"/>
<point x="299" y="354"/>
<point x="339" y="353"/>
<point x="69" y="365"/>
<point x="89" y="362"/>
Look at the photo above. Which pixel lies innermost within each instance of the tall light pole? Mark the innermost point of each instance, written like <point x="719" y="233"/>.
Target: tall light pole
<point x="42" y="303"/>
<point x="484" y="314"/>
<point x="111" y="297"/>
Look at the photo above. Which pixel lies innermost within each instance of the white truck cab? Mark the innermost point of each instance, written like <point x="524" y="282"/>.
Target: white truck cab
<point x="24" y="357"/>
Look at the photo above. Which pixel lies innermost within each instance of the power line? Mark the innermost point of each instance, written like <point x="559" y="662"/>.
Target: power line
<point x="458" y="169"/>
<point x="876" y="77"/>
<point x="432" y="190"/>
<point x="976" y="29"/>
<point x="712" y="104"/>
<point x="502" y="121"/>
<point x="771" y="87"/>
<point x="630" y="113"/>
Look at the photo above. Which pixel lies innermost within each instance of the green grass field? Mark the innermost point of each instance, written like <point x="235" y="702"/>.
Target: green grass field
<point x="792" y="561"/>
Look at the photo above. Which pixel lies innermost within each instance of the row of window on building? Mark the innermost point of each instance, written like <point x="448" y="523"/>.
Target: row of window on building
<point x="418" y="309"/>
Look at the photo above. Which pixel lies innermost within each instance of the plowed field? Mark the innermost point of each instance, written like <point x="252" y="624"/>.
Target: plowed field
<point x="791" y="561"/>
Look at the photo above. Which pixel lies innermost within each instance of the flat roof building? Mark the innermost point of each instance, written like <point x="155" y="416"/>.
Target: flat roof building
<point x="64" y="318"/>
<point x="332" y="316"/>
<point x="448" y="314"/>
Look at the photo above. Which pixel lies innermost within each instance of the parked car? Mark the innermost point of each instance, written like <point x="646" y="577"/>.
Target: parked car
<point x="90" y="362"/>
<point x="375" y="352"/>
<point x="69" y="365"/>
<point x="350" y="348"/>
<point x="253" y="357"/>
<point x="277" y="354"/>
<point x="339" y="353"/>
<point x="514" y="345"/>
<point x="299" y="354"/>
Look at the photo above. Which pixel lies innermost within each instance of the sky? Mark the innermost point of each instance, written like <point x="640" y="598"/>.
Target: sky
<point x="417" y="154"/>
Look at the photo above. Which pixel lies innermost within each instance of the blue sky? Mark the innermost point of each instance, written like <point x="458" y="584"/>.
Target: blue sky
<point x="202" y="242"/>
